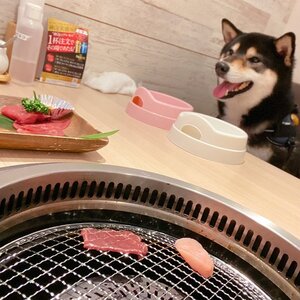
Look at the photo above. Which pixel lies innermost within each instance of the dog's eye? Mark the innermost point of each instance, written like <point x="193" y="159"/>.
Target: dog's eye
<point x="230" y="52"/>
<point x="254" y="60"/>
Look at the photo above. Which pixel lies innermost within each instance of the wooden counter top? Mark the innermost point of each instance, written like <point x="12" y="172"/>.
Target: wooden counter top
<point x="255" y="184"/>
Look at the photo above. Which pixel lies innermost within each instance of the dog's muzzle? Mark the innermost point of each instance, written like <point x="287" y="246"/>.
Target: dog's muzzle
<point x="227" y="89"/>
<point x="221" y="68"/>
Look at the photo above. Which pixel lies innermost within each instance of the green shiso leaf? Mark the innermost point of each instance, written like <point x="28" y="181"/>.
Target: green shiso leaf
<point x="6" y="123"/>
<point x="99" y="136"/>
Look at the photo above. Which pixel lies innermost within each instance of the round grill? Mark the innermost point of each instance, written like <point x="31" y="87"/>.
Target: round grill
<point x="52" y="264"/>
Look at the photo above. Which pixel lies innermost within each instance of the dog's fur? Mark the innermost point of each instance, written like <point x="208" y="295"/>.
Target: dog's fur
<point x="266" y="63"/>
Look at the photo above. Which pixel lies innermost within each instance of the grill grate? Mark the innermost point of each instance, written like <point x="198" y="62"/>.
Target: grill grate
<point x="52" y="264"/>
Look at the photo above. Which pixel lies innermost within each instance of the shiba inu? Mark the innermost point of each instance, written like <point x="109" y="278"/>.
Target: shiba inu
<point x="255" y="94"/>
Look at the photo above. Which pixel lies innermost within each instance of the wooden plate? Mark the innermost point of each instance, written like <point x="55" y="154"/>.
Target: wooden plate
<point x="71" y="142"/>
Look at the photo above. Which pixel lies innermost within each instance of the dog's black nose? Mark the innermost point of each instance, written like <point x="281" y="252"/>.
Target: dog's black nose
<point x="222" y="68"/>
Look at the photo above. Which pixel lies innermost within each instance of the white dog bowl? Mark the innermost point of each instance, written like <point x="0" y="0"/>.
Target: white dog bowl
<point x="209" y="138"/>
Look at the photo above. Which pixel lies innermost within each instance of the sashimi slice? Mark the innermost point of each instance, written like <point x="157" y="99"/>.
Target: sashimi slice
<point x="195" y="256"/>
<point x="52" y="132"/>
<point x="222" y="89"/>
<point x="54" y="127"/>
<point x="18" y="113"/>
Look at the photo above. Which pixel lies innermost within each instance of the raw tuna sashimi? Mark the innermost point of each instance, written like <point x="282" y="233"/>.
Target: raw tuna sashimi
<point x="54" y="127"/>
<point x="195" y="256"/>
<point x="122" y="241"/>
<point x="19" y="114"/>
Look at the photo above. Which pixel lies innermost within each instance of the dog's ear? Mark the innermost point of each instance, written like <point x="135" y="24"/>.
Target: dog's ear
<point x="229" y="31"/>
<point x="285" y="46"/>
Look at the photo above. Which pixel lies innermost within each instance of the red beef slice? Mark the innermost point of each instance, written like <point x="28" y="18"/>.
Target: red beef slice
<point x="20" y="115"/>
<point x="122" y="241"/>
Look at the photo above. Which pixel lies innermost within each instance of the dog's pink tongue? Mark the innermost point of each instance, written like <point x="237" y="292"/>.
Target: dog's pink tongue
<point x="221" y="90"/>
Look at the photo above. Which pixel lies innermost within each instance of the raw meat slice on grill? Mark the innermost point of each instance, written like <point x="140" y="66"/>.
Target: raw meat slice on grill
<point x="121" y="241"/>
<point x="18" y="113"/>
<point x="195" y="256"/>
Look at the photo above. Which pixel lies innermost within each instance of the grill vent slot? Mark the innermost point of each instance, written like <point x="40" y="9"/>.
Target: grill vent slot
<point x="188" y="208"/>
<point x="265" y="250"/>
<point x="119" y="190"/>
<point x="38" y="195"/>
<point x="214" y="219"/>
<point x="205" y="214"/>
<point x="282" y="262"/>
<point x="248" y="238"/>
<point x="10" y="204"/>
<point x="274" y="256"/>
<point x="291" y="270"/>
<point x="127" y="192"/>
<point x="56" y="189"/>
<point x="46" y="195"/>
<point x="92" y="189"/>
<point x="74" y="188"/>
<point x="2" y="207"/>
<point x="65" y="190"/>
<point x="110" y="190"/>
<point x="222" y="223"/>
<point x="196" y="211"/>
<point x="20" y="201"/>
<point x="145" y="195"/>
<point x="179" y="204"/>
<point x="136" y="193"/>
<point x="171" y="202"/>
<point x="239" y="233"/>
<point x="152" y="197"/>
<point x="230" y="228"/>
<point x="29" y="197"/>
<point x="297" y="280"/>
<point x="256" y="243"/>
<point x="162" y="199"/>
<point x="83" y="189"/>
<point x="100" y="190"/>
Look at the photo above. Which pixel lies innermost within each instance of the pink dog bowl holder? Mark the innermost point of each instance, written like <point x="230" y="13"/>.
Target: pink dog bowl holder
<point x="156" y="109"/>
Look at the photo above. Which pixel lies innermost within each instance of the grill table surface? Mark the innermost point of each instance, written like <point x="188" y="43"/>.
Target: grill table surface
<point x="255" y="184"/>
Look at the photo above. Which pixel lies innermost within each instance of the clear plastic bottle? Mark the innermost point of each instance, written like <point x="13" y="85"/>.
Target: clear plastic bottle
<point x="26" y="48"/>
<point x="22" y="4"/>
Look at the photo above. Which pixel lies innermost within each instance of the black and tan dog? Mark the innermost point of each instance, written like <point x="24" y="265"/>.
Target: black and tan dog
<point x="255" y="75"/>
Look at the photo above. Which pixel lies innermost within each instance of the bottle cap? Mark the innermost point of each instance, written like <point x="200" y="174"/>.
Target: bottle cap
<point x="33" y="12"/>
<point x="36" y="2"/>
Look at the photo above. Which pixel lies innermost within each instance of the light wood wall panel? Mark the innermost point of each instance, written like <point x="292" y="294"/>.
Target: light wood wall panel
<point x="167" y="45"/>
<point x="189" y="24"/>
<point x="149" y="62"/>
<point x="8" y="12"/>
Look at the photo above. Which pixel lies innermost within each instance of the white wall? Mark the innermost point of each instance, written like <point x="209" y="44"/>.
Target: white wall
<point x="293" y="25"/>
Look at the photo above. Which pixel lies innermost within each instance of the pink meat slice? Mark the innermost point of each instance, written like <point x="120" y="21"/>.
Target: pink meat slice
<point x="195" y="256"/>
<point x="221" y="90"/>
<point x="121" y="241"/>
<point x="54" y="127"/>
<point x="19" y="114"/>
